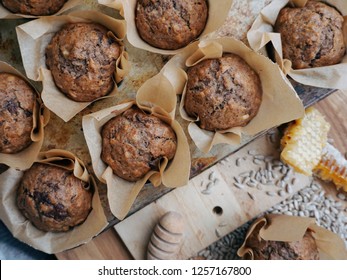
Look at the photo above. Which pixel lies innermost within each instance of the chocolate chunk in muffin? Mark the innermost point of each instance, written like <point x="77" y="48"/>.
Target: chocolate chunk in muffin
<point x="17" y="101"/>
<point x="170" y="24"/>
<point x="34" y="7"/>
<point x="133" y="143"/>
<point x="311" y="36"/>
<point x="82" y="58"/>
<point x="52" y="198"/>
<point x="304" y="249"/>
<point x="223" y="93"/>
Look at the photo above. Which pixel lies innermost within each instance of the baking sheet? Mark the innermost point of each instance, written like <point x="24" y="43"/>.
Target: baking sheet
<point x="145" y="65"/>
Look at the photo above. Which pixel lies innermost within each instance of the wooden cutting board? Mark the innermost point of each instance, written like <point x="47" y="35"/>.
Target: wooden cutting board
<point x="212" y="210"/>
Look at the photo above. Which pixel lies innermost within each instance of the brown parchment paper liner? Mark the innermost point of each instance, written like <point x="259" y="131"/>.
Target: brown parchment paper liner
<point x="6" y="14"/>
<point x="280" y="102"/>
<point x="50" y="242"/>
<point x="262" y="32"/>
<point x="114" y="4"/>
<point x="25" y="158"/>
<point x="218" y="12"/>
<point x="292" y="228"/>
<point x="157" y="97"/>
<point x="34" y="36"/>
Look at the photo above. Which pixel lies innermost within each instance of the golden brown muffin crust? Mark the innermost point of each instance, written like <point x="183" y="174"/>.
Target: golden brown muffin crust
<point x="52" y="198"/>
<point x="34" y="7"/>
<point x="311" y="36"/>
<point x="17" y="100"/>
<point x="224" y="92"/>
<point x="133" y="143"/>
<point x="170" y="24"/>
<point x="82" y="58"/>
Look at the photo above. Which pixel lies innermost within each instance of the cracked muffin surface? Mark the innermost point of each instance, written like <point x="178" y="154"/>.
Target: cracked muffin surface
<point x="311" y="36"/>
<point x="170" y="24"/>
<point x="223" y="93"/>
<point x="304" y="249"/>
<point x="82" y="58"/>
<point x="134" y="143"/>
<point x="34" y="7"/>
<point x="17" y="100"/>
<point x="52" y="198"/>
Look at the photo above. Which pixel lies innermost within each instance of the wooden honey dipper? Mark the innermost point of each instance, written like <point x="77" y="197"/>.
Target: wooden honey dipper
<point x="166" y="237"/>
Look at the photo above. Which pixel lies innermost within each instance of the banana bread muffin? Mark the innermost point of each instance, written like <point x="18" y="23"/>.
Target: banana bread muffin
<point x="311" y="36"/>
<point x="17" y="100"/>
<point x="223" y="92"/>
<point x="133" y="143"/>
<point x="52" y="198"/>
<point x="82" y="58"/>
<point x="170" y="24"/>
<point x="304" y="249"/>
<point x="34" y="7"/>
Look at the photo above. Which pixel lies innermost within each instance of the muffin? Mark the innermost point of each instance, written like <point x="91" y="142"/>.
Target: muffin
<point x="304" y="249"/>
<point x="223" y="93"/>
<point x="311" y="36"/>
<point x="17" y="101"/>
<point x="82" y="58"/>
<point x="170" y="24"/>
<point x="34" y="7"/>
<point x="52" y="198"/>
<point x="134" y="143"/>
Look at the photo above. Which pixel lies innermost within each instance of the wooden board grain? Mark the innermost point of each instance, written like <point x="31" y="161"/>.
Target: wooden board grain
<point x="107" y="246"/>
<point x="210" y="216"/>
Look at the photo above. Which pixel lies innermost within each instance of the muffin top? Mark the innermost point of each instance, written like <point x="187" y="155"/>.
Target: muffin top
<point x="34" y="7"/>
<point x="52" y="198"/>
<point x="82" y="58"/>
<point x="223" y="93"/>
<point x="170" y="24"/>
<point x="304" y="249"/>
<point x="134" y="143"/>
<point x="17" y="101"/>
<point x="311" y="36"/>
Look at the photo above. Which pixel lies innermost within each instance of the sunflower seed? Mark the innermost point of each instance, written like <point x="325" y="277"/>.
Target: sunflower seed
<point x="239" y="186"/>
<point x="209" y="185"/>
<point x="212" y="176"/>
<point x="284" y="170"/>
<point x="257" y="162"/>
<point x="237" y="180"/>
<point x="281" y="193"/>
<point x="251" y="185"/>
<point x="259" y="157"/>
<point x="244" y="174"/>
<point x="206" y="192"/>
<point x="270" y="193"/>
<point x="341" y="196"/>
<point x="245" y="180"/>
<point x="289" y="188"/>
<point x="238" y="162"/>
<point x="250" y="195"/>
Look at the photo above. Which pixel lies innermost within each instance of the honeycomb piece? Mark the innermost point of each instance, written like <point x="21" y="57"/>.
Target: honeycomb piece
<point x="304" y="140"/>
<point x="332" y="167"/>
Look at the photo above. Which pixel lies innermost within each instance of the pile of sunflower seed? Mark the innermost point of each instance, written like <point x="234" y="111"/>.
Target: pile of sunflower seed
<point x="310" y="202"/>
